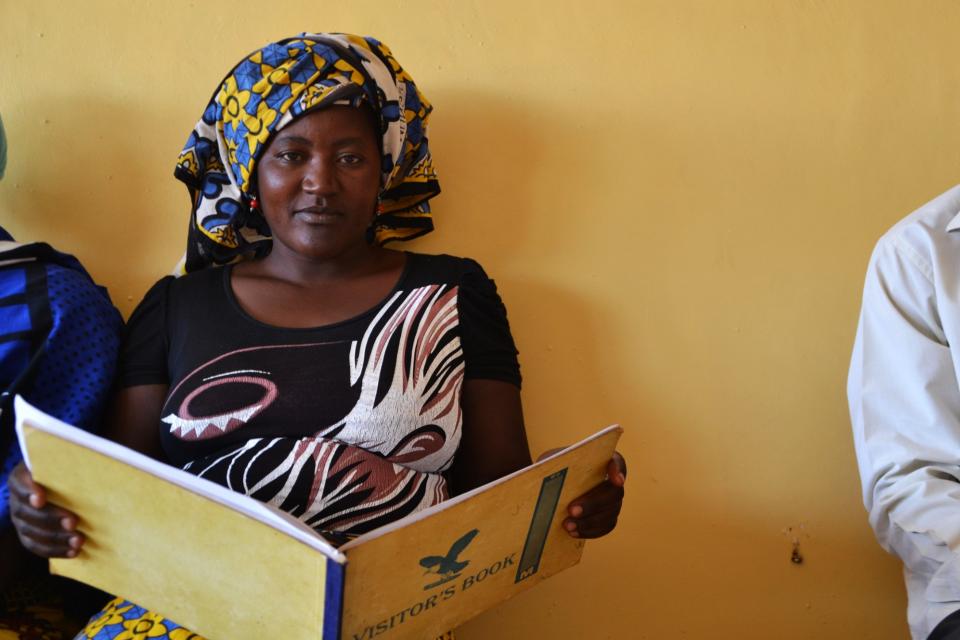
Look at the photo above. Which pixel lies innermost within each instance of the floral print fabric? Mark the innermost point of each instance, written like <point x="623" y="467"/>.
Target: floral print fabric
<point x="123" y="620"/>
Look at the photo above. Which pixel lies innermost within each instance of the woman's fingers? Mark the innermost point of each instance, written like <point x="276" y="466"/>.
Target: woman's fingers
<point x="24" y="488"/>
<point x="49" y="532"/>
<point x="47" y="543"/>
<point x="50" y="517"/>
<point x="593" y="525"/>
<point x="44" y="529"/>
<point x="617" y="469"/>
<point x="595" y="513"/>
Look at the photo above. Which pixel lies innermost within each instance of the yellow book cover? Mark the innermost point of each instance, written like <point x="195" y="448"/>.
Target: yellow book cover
<point x="226" y="566"/>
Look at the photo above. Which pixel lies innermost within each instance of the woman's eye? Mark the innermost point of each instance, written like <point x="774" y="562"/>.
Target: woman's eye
<point x="350" y="159"/>
<point x="289" y="156"/>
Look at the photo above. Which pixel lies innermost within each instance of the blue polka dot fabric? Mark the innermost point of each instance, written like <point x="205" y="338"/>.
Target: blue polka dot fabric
<point x="75" y="374"/>
<point x="55" y="307"/>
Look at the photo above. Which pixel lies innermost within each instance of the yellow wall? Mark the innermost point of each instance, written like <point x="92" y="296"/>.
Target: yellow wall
<point x="677" y="198"/>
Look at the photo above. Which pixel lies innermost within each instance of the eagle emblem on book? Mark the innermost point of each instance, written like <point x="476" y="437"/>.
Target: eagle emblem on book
<point x="448" y="566"/>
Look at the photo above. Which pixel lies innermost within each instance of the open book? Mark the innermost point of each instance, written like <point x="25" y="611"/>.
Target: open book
<point x="229" y="567"/>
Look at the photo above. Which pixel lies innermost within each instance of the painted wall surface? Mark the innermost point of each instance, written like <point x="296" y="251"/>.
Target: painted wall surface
<point x="677" y="199"/>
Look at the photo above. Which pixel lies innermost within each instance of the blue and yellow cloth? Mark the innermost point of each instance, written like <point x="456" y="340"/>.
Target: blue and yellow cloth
<point x="268" y="90"/>
<point x="123" y="620"/>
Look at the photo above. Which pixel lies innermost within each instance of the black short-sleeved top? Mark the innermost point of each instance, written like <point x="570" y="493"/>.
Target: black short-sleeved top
<point x="347" y="426"/>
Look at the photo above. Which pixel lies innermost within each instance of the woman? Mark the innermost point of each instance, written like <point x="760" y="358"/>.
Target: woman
<point x="316" y="352"/>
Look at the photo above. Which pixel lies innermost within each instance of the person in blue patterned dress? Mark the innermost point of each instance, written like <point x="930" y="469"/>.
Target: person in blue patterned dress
<point x="59" y="340"/>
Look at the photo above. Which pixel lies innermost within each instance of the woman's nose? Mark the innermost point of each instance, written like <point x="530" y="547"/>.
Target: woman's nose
<point x="319" y="177"/>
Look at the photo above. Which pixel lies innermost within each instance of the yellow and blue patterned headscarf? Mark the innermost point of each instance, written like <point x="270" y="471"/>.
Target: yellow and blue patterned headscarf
<point x="265" y="92"/>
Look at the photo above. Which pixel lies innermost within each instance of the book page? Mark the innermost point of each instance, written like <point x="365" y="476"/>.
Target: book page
<point x="216" y="570"/>
<point x="271" y="516"/>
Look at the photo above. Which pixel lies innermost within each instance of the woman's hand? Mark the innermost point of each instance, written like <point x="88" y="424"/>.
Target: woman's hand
<point x="43" y="528"/>
<point x="594" y="514"/>
<point x="50" y="531"/>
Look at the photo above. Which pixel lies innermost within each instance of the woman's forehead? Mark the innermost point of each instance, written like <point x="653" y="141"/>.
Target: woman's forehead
<point x="337" y="123"/>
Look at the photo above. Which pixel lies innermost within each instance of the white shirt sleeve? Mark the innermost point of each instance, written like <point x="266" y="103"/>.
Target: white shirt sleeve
<point x="905" y="408"/>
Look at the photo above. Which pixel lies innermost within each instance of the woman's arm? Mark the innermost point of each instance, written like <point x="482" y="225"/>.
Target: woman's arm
<point x="133" y="418"/>
<point x="494" y="444"/>
<point x="51" y="531"/>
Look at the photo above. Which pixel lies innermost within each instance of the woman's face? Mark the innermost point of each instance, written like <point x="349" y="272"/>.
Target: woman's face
<point x="318" y="181"/>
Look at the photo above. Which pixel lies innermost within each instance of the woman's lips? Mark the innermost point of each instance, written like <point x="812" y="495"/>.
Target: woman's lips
<point x="316" y="216"/>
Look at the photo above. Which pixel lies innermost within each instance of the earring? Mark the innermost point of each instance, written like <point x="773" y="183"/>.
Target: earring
<point x="254" y="203"/>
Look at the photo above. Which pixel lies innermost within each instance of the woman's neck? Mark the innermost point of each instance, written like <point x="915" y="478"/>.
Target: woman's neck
<point x="311" y="293"/>
<point x="285" y="265"/>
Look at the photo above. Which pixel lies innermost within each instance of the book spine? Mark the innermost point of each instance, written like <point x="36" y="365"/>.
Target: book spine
<point x="333" y="600"/>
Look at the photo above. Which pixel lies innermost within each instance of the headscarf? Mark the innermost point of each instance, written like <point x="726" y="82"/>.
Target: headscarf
<point x="265" y="92"/>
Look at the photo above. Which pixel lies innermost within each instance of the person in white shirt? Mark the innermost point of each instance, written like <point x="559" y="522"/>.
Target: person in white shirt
<point x="905" y="408"/>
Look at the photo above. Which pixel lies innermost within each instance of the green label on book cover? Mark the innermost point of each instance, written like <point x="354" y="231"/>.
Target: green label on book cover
<point x="540" y="524"/>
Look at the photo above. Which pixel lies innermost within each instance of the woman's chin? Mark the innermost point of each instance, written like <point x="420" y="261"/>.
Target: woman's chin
<point x="323" y="244"/>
